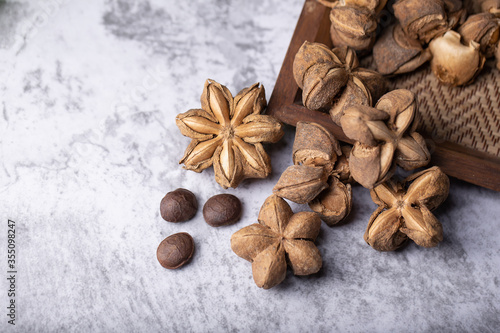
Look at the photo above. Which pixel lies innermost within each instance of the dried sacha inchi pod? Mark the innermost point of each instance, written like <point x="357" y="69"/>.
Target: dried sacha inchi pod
<point x="454" y="63"/>
<point x="405" y="211"/>
<point x="385" y="137"/>
<point x="280" y="237"/>
<point x="424" y="20"/>
<point x="228" y="133"/>
<point x="402" y="46"/>
<point x="483" y="29"/>
<point x="483" y="6"/>
<point x="331" y="80"/>
<point x="354" y="22"/>
<point x="396" y="53"/>
<point x="319" y="175"/>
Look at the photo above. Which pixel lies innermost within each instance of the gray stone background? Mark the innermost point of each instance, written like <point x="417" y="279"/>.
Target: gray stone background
<point x="88" y="147"/>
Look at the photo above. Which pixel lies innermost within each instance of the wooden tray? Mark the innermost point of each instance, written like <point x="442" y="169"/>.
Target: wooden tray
<point x="471" y="165"/>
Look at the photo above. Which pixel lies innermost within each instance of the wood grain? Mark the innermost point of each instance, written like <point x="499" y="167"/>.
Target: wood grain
<point x="285" y="104"/>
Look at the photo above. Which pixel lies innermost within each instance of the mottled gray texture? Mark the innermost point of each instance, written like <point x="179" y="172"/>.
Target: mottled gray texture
<point x="89" y="92"/>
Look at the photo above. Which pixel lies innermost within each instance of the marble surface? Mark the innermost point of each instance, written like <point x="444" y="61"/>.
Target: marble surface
<point x="88" y="147"/>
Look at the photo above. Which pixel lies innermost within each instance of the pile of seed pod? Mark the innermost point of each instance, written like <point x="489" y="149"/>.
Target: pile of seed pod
<point x="455" y="36"/>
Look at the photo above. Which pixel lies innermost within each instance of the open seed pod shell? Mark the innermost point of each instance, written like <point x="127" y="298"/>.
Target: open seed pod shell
<point x="401" y="105"/>
<point x="315" y="146"/>
<point x="456" y="12"/>
<point x="430" y="187"/>
<point x="341" y="169"/>
<point x="484" y="29"/>
<point x="354" y="123"/>
<point x="334" y="203"/>
<point x="371" y="166"/>
<point x="354" y="93"/>
<point x="364" y="86"/>
<point x="483" y="6"/>
<point x="454" y="63"/>
<point x="382" y="232"/>
<point x="405" y="211"/>
<point x="301" y="183"/>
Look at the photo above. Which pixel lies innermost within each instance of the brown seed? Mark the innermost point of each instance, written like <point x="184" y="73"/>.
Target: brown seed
<point x="178" y="206"/>
<point x="175" y="250"/>
<point x="222" y="209"/>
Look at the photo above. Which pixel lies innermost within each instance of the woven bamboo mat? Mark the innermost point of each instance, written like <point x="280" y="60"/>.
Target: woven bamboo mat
<point x="468" y="116"/>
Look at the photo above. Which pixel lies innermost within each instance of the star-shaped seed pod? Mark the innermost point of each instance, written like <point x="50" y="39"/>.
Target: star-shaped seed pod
<point x="483" y="29"/>
<point x="228" y="133"/>
<point x="280" y="237"/>
<point x="319" y="175"/>
<point x="385" y="136"/>
<point x="331" y="80"/>
<point x="405" y="211"/>
<point x="396" y="53"/>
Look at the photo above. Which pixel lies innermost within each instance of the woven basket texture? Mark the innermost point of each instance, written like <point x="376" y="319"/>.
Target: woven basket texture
<point x="468" y="116"/>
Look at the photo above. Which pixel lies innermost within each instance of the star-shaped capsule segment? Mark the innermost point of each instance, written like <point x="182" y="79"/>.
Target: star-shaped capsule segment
<point x="331" y="80"/>
<point x="405" y="211"/>
<point x="228" y="133"/>
<point x="318" y="175"/>
<point x="385" y="136"/>
<point x="280" y="237"/>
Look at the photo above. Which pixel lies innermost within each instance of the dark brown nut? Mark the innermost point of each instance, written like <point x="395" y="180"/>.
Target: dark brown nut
<point x="178" y="206"/>
<point x="175" y="250"/>
<point x="222" y="209"/>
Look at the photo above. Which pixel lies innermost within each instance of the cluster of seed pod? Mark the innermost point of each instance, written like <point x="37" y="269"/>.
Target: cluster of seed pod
<point x="440" y="31"/>
<point x="455" y="36"/>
